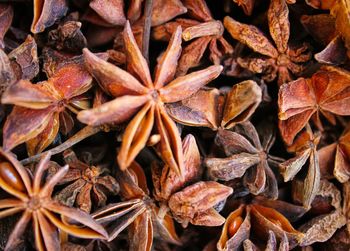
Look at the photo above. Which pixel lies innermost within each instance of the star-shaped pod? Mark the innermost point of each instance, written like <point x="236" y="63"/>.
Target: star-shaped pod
<point x="326" y="92"/>
<point x="137" y="96"/>
<point x="281" y="60"/>
<point x="34" y="199"/>
<point x="41" y="109"/>
<point x="246" y="155"/>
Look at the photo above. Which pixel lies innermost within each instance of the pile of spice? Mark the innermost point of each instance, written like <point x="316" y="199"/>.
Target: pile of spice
<point x="173" y="125"/>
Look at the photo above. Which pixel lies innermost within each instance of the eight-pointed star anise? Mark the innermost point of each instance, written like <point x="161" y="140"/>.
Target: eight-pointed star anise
<point x="34" y="199"/>
<point x="279" y="60"/>
<point x="135" y="92"/>
<point x="41" y="109"/>
<point x="246" y="154"/>
<point x="203" y="32"/>
<point x="86" y="184"/>
<point x="326" y="92"/>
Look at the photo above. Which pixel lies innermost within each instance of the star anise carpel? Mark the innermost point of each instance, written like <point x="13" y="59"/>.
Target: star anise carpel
<point x="280" y="60"/>
<point x="41" y="109"/>
<point x="136" y="93"/>
<point x="34" y="199"/>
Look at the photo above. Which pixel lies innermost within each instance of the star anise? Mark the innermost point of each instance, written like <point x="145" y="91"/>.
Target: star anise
<point x="326" y="92"/>
<point x="281" y="60"/>
<point x="246" y="155"/>
<point x="41" y="109"/>
<point x="215" y="109"/>
<point x="86" y="184"/>
<point x="334" y="158"/>
<point x="6" y="15"/>
<point x="264" y="223"/>
<point x="203" y="30"/>
<point x="135" y="92"/>
<point x="34" y="199"/>
<point x="305" y="148"/>
<point x="137" y="212"/>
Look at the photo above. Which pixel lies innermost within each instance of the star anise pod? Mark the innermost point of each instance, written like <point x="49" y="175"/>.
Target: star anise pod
<point x="305" y="148"/>
<point x="135" y="92"/>
<point x="334" y="158"/>
<point x="263" y="222"/>
<point x="137" y="212"/>
<point x="326" y="92"/>
<point x="34" y="199"/>
<point x="203" y="32"/>
<point x="246" y="155"/>
<point x="6" y="15"/>
<point x="46" y="13"/>
<point x="41" y="109"/>
<point x="215" y="109"/>
<point x="282" y="59"/>
<point x="86" y="184"/>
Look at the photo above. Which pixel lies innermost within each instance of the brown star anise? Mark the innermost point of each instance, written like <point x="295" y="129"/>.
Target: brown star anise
<point x="87" y="184"/>
<point x="279" y="60"/>
<point x="203" y="30"/>
<point x="263" y="222"/>
<point x="135" y="92"/>
<point x="214" y="108"/>
<point x="326" y="92"/>
<point x="6" y="15"/>
<point x="246" y="154"/>
<point x="41" y="109"/>
<point x="34" y="199"/>
<point x="137" y="212"/>
<point x="334" y="158"/>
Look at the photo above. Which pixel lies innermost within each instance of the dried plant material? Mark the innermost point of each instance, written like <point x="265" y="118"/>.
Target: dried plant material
<point x="46" y="13"/>
<point x="210" y="108"/>
<point x="145" y="98"/>
<point x="40" y="109"/>
<point x="321" y="27"/>
<point x="326" y="93"/>
<point x="335" y="157"/>
<point x="166" y="181"/>
<point x="6" y="15"/>
<point x="34" y="199"/>
<point x="205" y="32"/>
<point x="341" y="11"/>
<point x="244" y="158"/>
<point x="305" y="148"/>
<point x="195" y="203"/>
<point x="346" y="204"/>
<point x="334" y="53"/>
<point x="246" y="5"/>
<point x="24" y="59"/>
<point x="7" y="76"/>
<point x="68" y="37"/>
<point x="111" y="11"/>
<point x="281" y="60"/>
<point x="321" y="4"/>
<point x="86" y="186"/>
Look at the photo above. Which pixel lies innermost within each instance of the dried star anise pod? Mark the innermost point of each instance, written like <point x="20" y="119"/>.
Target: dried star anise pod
<point x="34" y="199"/>
<point x="6" y="15"/>
<point x="137" y="212"/>
<point x="210" y="107"/>
<point x="166" y="181"/>
<point x="305" y="148"/>
<point x="46" y="12"/>
<point x="203" y="30"/>
<point x="7" y="75"/>
<point x="246" y="155"/>
<point x="326" y="92"/>
<point x="111" y="11"/>
<point x="322" y="227"/>
<point x="88" y="186"/>
<point x="135" y="92"/>
<point x="195" y="203"/>
<point x="249" y="220"/>
<point x="41" y="109"/>
<point x="281" y="60"/>
<point x="334" y="158"/>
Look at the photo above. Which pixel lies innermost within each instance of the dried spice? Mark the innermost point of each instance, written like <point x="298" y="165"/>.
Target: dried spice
<point x="34" y="199"/>
<point x="147" y="99"/>
<point x="6" y="15"/>
<point x="281" y="60"/>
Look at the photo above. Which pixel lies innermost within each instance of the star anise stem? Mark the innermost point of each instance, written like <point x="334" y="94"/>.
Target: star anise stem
<point x="84" y="133"/>
<point x="147" y="28"/>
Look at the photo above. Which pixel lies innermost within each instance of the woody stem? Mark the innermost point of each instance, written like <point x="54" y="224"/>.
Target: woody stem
<point x="84" y="133"/>
<point x="147" y="28"/>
